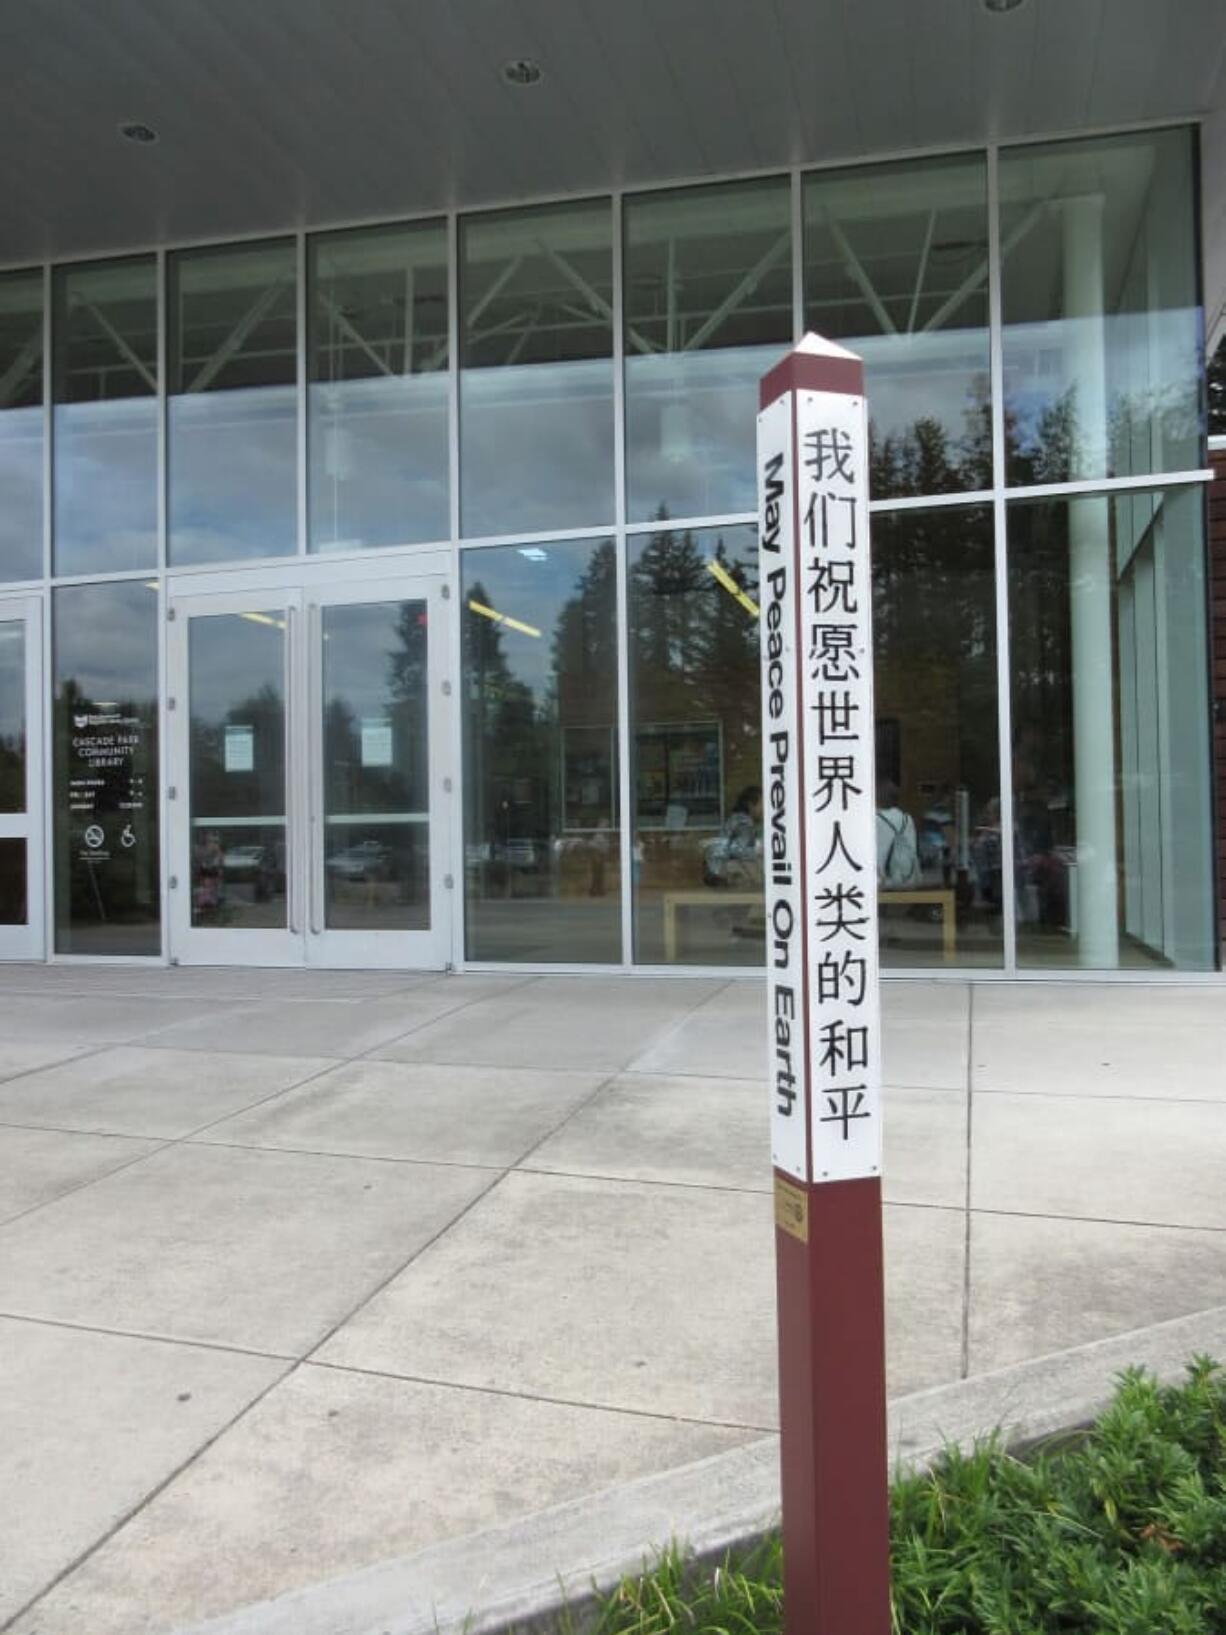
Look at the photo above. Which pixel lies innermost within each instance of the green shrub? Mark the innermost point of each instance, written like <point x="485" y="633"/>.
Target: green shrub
<point x="1120" y="1530"/>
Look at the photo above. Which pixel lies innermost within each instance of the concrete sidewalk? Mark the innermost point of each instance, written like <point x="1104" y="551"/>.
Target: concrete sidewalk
<point x="301" y="1271"/>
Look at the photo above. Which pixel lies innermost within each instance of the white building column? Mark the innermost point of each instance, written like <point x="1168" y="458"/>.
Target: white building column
<point x="1090" y="582"/>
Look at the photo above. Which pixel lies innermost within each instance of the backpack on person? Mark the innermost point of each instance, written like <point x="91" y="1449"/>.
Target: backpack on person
<point x="900" y="865"/>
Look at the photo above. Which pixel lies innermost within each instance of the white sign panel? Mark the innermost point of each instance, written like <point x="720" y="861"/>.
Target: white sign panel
<point x="376" y="741"/>
<point x="819" y="752"/>
<point x="785" y="974"/>
<point x="239" y="749"/>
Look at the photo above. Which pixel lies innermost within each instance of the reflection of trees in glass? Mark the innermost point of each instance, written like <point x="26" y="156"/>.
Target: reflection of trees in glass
<point x="506" y="740"/>
<point x="1216" y="386"/>
<point x="218" y="793"/>
<point x="925" y="459"/>
<point x="694" y="646"/>
<point x="934" y="639"/>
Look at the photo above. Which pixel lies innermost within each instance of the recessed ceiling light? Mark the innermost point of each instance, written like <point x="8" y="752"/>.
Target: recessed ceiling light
<point x="1001" y="5"/>
<point x="521" y="71"/>
<point x="134" y="131"/>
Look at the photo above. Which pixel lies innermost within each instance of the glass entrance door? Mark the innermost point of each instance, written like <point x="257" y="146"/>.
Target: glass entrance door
<point x="308" y="803"/>
<point x="22" y="934"/>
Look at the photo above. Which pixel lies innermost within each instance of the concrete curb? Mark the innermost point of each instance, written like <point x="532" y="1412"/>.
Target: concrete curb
<point x="516" y="1579"/>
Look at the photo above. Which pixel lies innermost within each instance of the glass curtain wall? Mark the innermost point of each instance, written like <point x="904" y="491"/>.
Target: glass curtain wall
<point x="536" y="360"/>
<point x="21" y="426"/>
<point x="232" y="417"/>
<point x="1068" y="637"/>
<point x="542" y="825"/>
<point x="708" y="309"/>
<point x="377" y="399"/>
<point x="105" y="433"/>
<point x="896" y="269"/>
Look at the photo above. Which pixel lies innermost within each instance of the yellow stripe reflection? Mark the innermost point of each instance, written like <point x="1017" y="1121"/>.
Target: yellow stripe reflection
<point x="503" y="618"/>
<point x="730" y="585"/>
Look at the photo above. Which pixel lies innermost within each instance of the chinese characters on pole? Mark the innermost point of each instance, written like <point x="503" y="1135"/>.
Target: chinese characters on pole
<point x="824" y="1014"/>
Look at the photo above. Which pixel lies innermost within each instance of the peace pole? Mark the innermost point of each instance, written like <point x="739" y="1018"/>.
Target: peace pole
<point x="824" y="1019"/>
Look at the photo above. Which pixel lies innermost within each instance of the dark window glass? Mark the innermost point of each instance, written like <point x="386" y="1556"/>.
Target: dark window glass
<point x="536" y="388"/>
<point x="233" y="409"/>
<point x="21" y="426"/>
<point x="542" y="869"/>
<point x="1217" y="392"/>
<point x="697" y="772"/>
<point x="1112" y="801"/>
<point x="1102" y="317"/>
<point x="376" y="808"/>
<point x="13" y="792"/>
<point x="896" y="269"/>
<point x="107" y="898"/>
<point x="708" y="297"/>
<point x="105" y="444"/>
<point x="937" y="730"/>
<point x="378" y="387"/>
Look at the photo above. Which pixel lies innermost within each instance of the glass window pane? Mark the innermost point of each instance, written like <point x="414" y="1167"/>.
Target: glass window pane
<point x="21" y="425"/>
<point x="14" y="900"/>
<point x="233" y="408"/>
<point x="542" y="872"/>
<point x="536" y="389"/>
<point x="105" y="442"/>
<point x="376" y="708"/>
<point x="896" y="269"/>
<point x="237" y="794"/>
<point x="377" y="399"/>
<point x="1102" y="317"/>
<point x="12" y="715"/>
<point x="697" y="737"/>
<point x="107" y="897"/>
<point x="708" y="280"/>
<point x="1112" y="809"/>
<point x="937" y="731"/>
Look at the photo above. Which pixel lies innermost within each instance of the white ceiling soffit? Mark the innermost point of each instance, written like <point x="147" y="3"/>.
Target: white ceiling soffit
<point x="287" y="112"/>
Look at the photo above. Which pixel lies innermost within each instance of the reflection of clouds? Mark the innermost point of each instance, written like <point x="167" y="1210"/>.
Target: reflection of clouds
<point x="691" y="420"/>
<point x="105" y="640"/>
<point x="233" y="460"/>
<point x="535" y="591"/>
<point x="105" y="470"/>
<point x="231" y="660"/>
<point x="536" y="447"/>
<point x="1151" y="363"/>
<point x="378" y="461"/>
<point x="21" y="484"/>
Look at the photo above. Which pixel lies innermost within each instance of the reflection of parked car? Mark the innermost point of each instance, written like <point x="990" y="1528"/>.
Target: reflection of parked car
<point x="243" y="862"/>
<point x="517" y="854"/>
<point x="368" y="860"/>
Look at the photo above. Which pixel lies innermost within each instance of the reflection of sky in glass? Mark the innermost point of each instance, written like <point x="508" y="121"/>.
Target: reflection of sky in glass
<point x="1151" y="363"/>
<point x="531" y="585"/>
<point x="378" y="461"/>
<point x="106" y="641"/>
<point x="21" y="483"/>
<point x="536" y="447"/>
<point x="233" y="460"/>
<point x="691" y="420"/>
<point x="233" y="658"/>
<point x="105" y="471"/>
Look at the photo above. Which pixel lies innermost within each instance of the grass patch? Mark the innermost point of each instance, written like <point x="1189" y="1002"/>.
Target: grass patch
<point x="1120" y="1530"/>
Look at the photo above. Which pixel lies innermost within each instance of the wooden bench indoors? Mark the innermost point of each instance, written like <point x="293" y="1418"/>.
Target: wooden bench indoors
<point x="918" y="896"/>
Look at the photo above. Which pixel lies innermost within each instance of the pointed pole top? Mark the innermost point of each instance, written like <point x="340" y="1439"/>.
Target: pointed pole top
<point x="815" y="365"/>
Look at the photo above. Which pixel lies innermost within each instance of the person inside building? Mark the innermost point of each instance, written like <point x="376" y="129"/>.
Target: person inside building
<point x="898" y="866"/>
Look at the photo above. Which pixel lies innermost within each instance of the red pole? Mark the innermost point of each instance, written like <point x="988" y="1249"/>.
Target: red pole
<point x="815" y="587"/>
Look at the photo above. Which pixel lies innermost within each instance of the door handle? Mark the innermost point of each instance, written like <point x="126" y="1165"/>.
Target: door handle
<point x="315" y="767"/>
<point x="293" y="862"/>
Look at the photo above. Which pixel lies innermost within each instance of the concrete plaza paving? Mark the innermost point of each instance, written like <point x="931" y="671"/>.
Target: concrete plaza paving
<point x="300" y="1271"/>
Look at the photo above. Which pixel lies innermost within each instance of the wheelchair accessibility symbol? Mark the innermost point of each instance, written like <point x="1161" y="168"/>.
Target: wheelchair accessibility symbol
<point x="127" y="838"/>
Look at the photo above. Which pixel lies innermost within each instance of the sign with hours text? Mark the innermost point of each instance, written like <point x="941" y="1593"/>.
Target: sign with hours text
<point x="818" y="754"/>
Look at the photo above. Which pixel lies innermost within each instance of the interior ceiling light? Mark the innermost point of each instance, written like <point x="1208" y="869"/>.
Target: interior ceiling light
<point x="134" y="131"/>
<point x="719" y="572"/>
<point x="1001" y="5"/>
<point x="503" y="619"/>
<point x="521" y="71"/>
